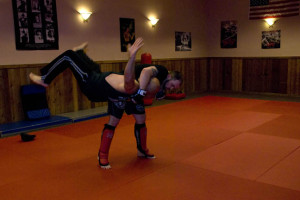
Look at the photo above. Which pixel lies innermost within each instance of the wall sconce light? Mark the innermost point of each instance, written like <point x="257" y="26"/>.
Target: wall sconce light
<point x="270" y="21"/>
<point x="153" y="21"/>
<point x="85" y="15"/>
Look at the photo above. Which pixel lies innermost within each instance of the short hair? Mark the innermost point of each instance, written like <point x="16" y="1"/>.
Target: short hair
<point x="176" y="75"/>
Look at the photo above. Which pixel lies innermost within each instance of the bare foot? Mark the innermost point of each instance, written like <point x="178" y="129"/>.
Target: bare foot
<point x="37" y="79"/>
<point x="82" y="46"/>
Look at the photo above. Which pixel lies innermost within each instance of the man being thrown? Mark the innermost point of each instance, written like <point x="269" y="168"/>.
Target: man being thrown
<point x="115" y="88"/>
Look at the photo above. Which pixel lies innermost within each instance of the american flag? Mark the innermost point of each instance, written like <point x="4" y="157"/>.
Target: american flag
<point x="262" y="9"/>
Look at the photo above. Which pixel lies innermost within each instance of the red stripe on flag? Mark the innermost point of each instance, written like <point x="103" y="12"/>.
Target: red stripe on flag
<point x="284" y="8"/>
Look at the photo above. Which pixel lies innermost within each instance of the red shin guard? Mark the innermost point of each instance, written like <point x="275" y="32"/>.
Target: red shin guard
<point x="140" y="131"/>
<point x="106" y="138"/>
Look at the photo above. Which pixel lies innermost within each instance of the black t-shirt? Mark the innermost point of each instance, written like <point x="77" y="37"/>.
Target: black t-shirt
<point x="98" y="90"/>
<point x="161" y="75"/>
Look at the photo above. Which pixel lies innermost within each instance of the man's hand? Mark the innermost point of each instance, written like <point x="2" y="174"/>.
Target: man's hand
<point x="135" y="47"/>
<point x="137" y="98"/>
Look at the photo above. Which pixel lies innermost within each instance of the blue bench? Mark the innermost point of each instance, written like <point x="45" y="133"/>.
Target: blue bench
<point x="37" y="113"/>
<point x="19" y="127"/>
<point x="26" y="126"/>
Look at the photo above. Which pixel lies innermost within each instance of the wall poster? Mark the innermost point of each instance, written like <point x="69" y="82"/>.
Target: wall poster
<point x="228" y="34"/>
<point x="35" y="24"/>
<point x="127" y="32"/>
<point x="270" y="39"/>
<point x="183" y="41"/>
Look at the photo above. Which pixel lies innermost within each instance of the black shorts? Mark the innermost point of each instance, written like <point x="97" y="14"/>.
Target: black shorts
<point x="116" y="107"/>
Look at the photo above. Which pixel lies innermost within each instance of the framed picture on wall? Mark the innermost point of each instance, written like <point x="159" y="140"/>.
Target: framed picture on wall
<point x="228" y="34"/>
<point x="270" y="39"/>
<point x="127" y="33"/>
<point x="35" y="24"/>
<point x="183" y="41"/>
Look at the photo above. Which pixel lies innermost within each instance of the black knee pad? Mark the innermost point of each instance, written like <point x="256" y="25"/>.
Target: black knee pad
<point x="110" y="127"/>
<point x="139" y="126"/>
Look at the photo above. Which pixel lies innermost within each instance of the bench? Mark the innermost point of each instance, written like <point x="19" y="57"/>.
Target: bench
<point x="27" y="126"/>
<point x="37" y="114"/>
<point x="14" y="128"/>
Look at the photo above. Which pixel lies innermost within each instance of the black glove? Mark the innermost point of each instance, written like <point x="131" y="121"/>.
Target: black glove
<point x="137" y="98"/>
<point x="160" y="95"/>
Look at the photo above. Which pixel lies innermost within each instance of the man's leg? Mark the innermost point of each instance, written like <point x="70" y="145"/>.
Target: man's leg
<point x="81" y="52"/>
<point x="67" y="59"/>
<point x="140" y="132"/>
<point x="106" y="138"/>
<point x="115" y="114"/>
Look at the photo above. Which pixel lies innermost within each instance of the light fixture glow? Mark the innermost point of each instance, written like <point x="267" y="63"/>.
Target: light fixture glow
<point x="153" y="21"/>
<point x="270" y="21"/>
<point x="85" y="15"/>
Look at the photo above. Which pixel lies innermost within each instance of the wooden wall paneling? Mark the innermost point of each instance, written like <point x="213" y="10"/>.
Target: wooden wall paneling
<point x="290" y="82"/>
<point x="186" y="69"/>
<point x="216" y="74"/>
<point x="193" y="70"/>
<point x="253" y="79"/>
<point x="2" y="96"/>
<point x="188" y="75"/>
<point x="246" y="75"/>
<point x="5" y="111"/>
<point x="67" y="89"/>
<point x="266" y="75"/>
<point x="293" y="80"/>
<point x="60" y="93"/>
<point x="227" y="74"/>
<point x="262" y="75"/>
<point x="279" y="75"/>
<point x="83" y="102"/>
<point x="106" y="67"/>
<point x="275" y="75"/>
<point x="24" y="78"/>
<point x="200" y="75"/>
<point x="283" y="75"/>
<point x="14" y="103"/>
<point x="117" y="67"/>
<point x="213" y="72"/>
<point x="53" y="95"/>
<point x="297" y="89"/>
<point x="75" y="94"/>
<point x="203" y="75"/>
<point x="237" y="74"/>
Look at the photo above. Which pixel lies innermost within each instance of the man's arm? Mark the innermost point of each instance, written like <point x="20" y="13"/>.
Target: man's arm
<point x="129" y="72"/>
<point x="146" y="75"/>
<point x="144" y="80"/>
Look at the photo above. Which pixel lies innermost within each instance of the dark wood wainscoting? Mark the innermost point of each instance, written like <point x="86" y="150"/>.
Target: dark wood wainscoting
<point x="258" y="75"/>
<point x="277" y="76"/>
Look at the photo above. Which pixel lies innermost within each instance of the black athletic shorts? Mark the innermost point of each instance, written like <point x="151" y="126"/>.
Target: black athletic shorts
<point x="116" y="107"/>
